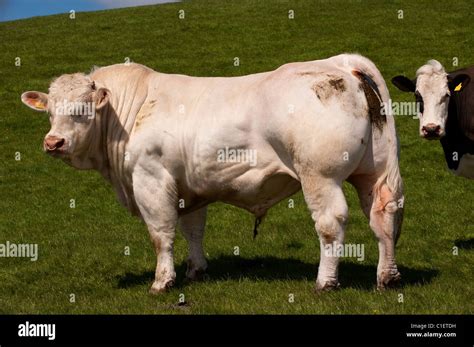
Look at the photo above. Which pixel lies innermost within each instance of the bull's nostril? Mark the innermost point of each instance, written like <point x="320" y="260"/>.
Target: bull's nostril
<point x="60" y="143"/>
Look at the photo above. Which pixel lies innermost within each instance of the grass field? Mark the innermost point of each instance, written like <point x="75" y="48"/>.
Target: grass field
<point x="81" y="249"/>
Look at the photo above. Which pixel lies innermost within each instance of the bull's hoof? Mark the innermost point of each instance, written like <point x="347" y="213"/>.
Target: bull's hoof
<point x="196" y="270"/>
<point x="197" y="275"/>
<point x="327" y="286"/>
<point x="161" y="286"/>
<point x="388" y="280"/>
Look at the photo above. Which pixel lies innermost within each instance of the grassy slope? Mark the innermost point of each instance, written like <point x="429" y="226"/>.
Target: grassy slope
<point x="81" y="249"/>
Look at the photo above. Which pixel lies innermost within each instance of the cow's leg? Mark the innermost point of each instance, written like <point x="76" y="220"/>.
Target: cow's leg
<point x="192" y="225"/>
<point x="385" y="217"/>
<point x="156" y="198"/>
<point x="328" y="207"/>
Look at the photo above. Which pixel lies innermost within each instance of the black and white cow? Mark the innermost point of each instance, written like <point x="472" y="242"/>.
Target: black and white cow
<point x="446" y="111"/>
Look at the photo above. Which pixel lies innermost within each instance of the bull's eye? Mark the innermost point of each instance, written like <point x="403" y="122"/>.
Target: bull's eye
<point x="78" y="118"/>
<point x="419" y="102"/>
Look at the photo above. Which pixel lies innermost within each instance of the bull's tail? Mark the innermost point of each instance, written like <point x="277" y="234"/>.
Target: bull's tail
<point x="391" y="176"/>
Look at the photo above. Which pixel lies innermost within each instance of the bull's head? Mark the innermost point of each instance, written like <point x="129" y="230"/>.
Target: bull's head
<point x="72" y="103"/>
<point x="433" y="88"/>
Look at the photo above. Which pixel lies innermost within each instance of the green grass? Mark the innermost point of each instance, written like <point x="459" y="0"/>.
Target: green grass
<point x="82" y="249"/>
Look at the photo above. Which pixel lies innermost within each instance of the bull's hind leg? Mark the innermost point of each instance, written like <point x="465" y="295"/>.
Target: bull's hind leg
<point x="385" y="216"/>
<point x="329" y="211"/>
<point x="193" y="225"/>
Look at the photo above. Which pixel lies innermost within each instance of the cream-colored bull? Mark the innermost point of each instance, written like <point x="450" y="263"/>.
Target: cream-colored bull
<point x="172" y="144"/>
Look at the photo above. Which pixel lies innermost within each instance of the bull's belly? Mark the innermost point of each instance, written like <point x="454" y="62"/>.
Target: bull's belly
<point x="258" y="197"/>
<point x="252" y="192"/>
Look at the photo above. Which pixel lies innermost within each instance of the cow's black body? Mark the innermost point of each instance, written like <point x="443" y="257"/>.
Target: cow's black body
<point x="459" y="138"/>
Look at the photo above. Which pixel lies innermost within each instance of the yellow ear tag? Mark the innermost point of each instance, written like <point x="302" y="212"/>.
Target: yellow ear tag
<point x="458" y="87"/>
<point x="40" y="105"/>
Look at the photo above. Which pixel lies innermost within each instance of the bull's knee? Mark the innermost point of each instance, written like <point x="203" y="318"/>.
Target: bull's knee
<point x="386" y="201"/>
<point x="330" y="227"/>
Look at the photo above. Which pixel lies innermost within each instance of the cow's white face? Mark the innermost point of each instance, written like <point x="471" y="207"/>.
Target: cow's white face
<point x="432" y="95"/>
<point x="71" y="103"/>
<point x="433" y="88"/>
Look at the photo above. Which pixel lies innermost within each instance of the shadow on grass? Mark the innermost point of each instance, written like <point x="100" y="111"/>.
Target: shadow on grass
<point x="351" y="275"/>
<point x="464" y="244"/>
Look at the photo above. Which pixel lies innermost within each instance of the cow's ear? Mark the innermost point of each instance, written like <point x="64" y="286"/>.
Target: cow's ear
<point x="404" y="83"/>
<point x="459" y="82"/>
<point x="101" y="97"/>
<point x="36" y="100"/>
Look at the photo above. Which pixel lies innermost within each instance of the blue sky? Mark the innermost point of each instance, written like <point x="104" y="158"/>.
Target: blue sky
<point x="16" y="9"/>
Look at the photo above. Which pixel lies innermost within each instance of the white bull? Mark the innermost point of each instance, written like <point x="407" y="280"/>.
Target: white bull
<point x="172" y="144"/>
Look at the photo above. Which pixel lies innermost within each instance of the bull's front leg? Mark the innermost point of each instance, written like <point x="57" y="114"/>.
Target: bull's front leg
<point x="193" y="225"/>
<point x="156" y="197"/>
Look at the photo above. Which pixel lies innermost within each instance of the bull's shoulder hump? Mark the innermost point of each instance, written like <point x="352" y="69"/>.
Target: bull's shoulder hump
<point x="121" y="70"/>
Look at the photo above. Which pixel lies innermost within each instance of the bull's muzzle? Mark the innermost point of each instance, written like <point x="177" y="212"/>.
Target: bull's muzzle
<point x="54" y="144"/>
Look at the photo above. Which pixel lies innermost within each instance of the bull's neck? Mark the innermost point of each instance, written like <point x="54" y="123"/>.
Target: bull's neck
<point x="116" y="122"/>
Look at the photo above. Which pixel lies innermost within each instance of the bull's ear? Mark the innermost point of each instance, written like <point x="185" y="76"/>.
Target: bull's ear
<point x="101" y="97"/>
<point x="36" y="100"/>
<point x="459" y="82"/>
<point x="404" y="83"/>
